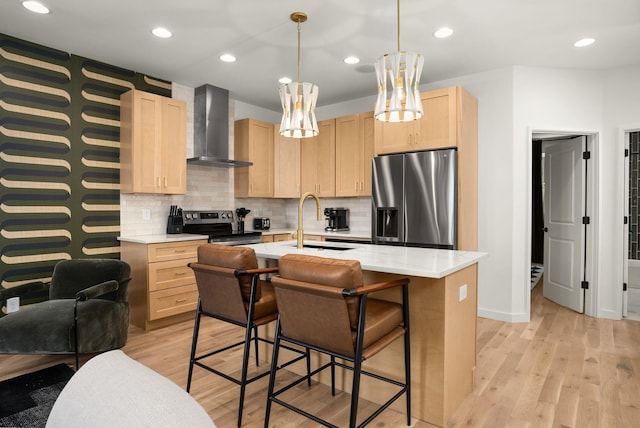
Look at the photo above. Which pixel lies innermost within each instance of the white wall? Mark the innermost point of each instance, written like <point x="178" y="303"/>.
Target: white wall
<point x="546" y="100"/>
<point x="621" y="113"/>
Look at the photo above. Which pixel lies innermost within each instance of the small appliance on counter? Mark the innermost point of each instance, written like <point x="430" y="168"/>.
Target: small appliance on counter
<point x="241" y="213"/>
<point x="337" y="219"/>
<point x="218" y="225"/>
<point x="174" y="222"/>
<point x="261" y="223"/>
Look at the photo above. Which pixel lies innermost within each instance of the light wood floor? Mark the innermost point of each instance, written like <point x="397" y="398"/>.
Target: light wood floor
<point x="562" y="369"/>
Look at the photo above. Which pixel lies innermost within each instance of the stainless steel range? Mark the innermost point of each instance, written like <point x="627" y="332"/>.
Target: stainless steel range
<point x="218" y="224"/>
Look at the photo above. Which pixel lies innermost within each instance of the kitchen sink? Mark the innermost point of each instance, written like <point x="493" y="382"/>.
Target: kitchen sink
<point x="321" y="247"/>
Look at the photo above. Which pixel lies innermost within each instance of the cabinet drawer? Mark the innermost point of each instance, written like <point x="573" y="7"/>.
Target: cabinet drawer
<point x="173" y="301"/>
<point x="283" y="237"/>
<point x="163" y="275"/>
<point x="174" y="250"/>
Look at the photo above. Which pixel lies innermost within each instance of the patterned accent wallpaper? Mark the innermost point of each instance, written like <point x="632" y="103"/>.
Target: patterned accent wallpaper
<point x="59" y="157"/>
<point x="634" y="188"/>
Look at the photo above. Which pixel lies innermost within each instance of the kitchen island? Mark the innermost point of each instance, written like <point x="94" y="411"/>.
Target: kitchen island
<point x="443" y="311"/>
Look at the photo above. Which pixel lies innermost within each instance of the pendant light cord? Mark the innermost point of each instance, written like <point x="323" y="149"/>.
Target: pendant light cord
<point x="299" y="51"/>
<point x="398" y="17"/>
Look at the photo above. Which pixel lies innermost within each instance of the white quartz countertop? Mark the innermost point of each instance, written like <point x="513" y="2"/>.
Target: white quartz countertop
<point x="411" y="261"/>
<point x="159" y="239"/>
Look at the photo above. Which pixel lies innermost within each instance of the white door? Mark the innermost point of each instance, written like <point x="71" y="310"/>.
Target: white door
<point x="564" y="207"/>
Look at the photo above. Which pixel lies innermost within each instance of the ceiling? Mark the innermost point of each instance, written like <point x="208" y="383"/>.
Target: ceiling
<point x="488" y="34"/>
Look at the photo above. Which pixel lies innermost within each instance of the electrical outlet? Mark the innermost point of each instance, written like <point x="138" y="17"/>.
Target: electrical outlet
<point x="146" y="214"/>
<point x="13" y="304"/>
<point x="462" y="292"/>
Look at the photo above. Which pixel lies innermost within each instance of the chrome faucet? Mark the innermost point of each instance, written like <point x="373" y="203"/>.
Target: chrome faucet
<point x="299" y="232"/>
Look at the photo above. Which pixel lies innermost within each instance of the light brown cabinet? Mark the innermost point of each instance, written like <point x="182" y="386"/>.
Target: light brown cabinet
<point x="153" y="135"/>
<point x="318" y="167"/>
<point x="253" y="141"/>
<point x="286" y="165"/>
<point x="435" y="130"/>
<point x="163" y="288"/>
<point x="354" y="151"/>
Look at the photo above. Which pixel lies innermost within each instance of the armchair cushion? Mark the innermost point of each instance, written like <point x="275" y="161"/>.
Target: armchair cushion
<point x="71" y="276"/>
<point x="48" y="327"/>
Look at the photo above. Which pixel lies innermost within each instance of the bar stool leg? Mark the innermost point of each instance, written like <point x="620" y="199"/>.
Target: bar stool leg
<point x="194" y="343"/>
<point x="272" y="374"/>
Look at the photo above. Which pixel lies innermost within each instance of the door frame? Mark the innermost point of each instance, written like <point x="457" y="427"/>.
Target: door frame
<point x="624" y="140"/>
<point x="592" y="203"/>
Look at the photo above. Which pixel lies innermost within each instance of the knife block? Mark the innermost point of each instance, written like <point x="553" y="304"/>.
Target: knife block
<point x="174" y="224"/>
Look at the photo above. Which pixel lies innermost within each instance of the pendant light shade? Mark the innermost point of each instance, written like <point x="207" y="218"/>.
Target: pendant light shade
<point x="398" y="75"/>
<point x="298" y="100"/>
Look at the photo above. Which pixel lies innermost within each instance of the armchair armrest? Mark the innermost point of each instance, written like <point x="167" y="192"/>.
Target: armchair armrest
<point x="97" y="290"/>
<point x="370" y="288"/>
<point x="23" y="289"/>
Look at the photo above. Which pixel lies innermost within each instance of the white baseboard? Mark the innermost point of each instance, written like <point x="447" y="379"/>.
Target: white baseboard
<point x="503" y="316"/>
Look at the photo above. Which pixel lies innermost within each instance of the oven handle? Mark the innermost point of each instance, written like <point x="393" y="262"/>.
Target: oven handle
<point x="236" y="241"/>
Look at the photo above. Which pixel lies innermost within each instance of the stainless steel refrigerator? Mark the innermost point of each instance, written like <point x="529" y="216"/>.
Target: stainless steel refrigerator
<point x="414" y="199"/>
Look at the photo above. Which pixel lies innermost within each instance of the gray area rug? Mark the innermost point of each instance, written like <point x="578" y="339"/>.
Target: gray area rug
<point x="27" y="400"/>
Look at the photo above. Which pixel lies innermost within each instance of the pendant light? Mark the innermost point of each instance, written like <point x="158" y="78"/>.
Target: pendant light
<point x="403" y="71"/>
<point x="298" y="100"/>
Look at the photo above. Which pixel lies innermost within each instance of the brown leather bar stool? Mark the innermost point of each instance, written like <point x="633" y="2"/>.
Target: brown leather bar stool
<point x="231" y="290"/>
<point x="324" y="305"/>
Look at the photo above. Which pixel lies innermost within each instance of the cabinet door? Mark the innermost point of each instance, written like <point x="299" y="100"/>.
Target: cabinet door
<point x="318" y="161"/>
<point x="349" y="156"/>
<point x="174" y="147"/>
<point x="392" y="137"/>
<point x="354" y="151"/>
<point x="437" y="128"/>
<point x="367" y="129"/>
<point x="286" y="165"/>
<point x="145" y="146"/>
<point x="254" y="143"/>
<point x="261" y="154"/>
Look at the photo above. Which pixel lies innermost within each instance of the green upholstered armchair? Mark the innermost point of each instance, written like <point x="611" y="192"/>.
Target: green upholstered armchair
<point x="87" y="311"/>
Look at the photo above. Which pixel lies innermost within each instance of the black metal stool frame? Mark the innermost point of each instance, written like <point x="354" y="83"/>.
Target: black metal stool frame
<point x="251" y="335"/>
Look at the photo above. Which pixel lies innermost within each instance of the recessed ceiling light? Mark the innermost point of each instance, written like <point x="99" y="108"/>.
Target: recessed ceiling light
<point x="584" y="42"/>
<point x="443" y="33"/>
<point x="161" y="32"/>
<point x="284" y="80"/>
<point x="352" y="60"/>
<point x="35" y="6"/>
<point x="227" y="58"/>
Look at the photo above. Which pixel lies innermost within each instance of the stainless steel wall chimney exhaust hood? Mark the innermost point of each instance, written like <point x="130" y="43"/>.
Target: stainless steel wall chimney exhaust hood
<point x="211" y="129"/>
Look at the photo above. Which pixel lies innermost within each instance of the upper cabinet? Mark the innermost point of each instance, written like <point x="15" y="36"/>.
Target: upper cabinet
<point x="153" y="133"/>
<point x="253" y="141"/>
<point x="354" y="151"/>
<point x="435" y="130"/>
<point x="286" y="164"/>
<point x="318" y="167"/>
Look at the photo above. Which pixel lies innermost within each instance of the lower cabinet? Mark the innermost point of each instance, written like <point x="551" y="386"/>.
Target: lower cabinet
<point x="163" y="288"/>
